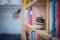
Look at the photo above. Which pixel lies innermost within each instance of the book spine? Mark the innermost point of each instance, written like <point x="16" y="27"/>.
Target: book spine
<point x="26" y="15"/>
<point x="58" y="19"/>
<point x="50" y="17"/>
<point x="25" y="3"/>
<point x="35" y="36"/>
<point x="30" y="17"/>
<point x="32" y="35"/>
<point x="53" y="18"/>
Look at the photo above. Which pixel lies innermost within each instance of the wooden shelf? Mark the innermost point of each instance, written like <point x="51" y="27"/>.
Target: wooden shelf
<point x="29" y="5"/>
<point x="41" y="6"/>
<point x="42" y="33"/>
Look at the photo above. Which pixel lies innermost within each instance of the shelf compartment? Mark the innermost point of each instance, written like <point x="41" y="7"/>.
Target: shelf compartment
<point x="42" y="33"/>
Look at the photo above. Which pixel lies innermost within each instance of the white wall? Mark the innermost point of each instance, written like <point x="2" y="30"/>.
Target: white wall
<point x="7" y="23"/>
<point x="10" y="2"/>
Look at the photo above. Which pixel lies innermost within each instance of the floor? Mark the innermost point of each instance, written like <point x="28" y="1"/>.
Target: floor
<point x="10" y="37"/>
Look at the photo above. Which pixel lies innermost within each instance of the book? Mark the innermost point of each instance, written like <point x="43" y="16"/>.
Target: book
<point x="26" y="2"/>
<point x="50" y="17"/>
<point x="26" y="15"/>
<point x="30" y="17"/>
<point x="58" y="19"/>
<point x="53" y="18"/>
<point x="33" y="35"/>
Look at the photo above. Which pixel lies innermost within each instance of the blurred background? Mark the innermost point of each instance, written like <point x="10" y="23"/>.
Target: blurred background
<point x="10" y="28"/>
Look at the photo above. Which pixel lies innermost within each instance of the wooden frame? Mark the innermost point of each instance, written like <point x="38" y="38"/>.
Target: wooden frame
<point x="25" y="27"/>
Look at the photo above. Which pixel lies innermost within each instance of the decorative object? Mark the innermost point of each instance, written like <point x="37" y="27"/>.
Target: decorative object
<point x="39" y="22"/>
<point x="16" y="14"/>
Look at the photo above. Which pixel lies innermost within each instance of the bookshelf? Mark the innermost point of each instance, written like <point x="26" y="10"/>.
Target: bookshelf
<point x="38" y="6"/>
<point x="42" y="33"/>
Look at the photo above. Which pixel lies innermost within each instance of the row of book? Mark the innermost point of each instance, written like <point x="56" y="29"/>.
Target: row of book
<point x="32" y="35"/>
<point x="28" y="16"/>
<point x="55" y="18"/>
<point x="26" y="2"/>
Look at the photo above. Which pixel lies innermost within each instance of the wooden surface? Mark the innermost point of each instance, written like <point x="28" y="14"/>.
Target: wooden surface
<point x="42" y="33"/>
<point x="40" y="38"/>
<point x="38" y="7"/>
<point x="23" y="27"/>
<point x="48" y="16"/>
